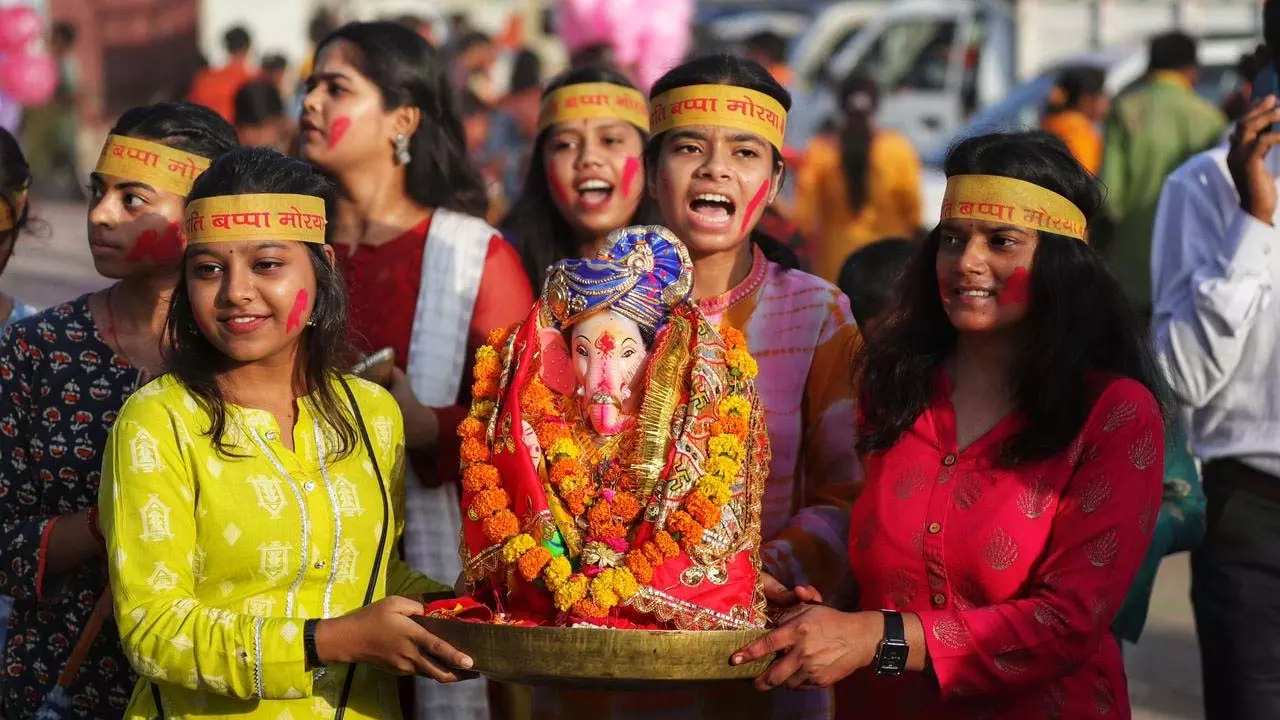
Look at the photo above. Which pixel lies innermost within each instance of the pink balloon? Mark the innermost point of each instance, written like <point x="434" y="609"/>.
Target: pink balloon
<point x="19" y="25"/>
<point x="29" y="78"/>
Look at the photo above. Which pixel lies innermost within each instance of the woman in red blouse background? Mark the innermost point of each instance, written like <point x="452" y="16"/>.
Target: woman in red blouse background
<point x="426" y="276"/>
<point x="1013" y="443"/>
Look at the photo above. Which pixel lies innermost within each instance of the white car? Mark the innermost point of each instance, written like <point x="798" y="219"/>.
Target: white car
<point x="1125" y="67"/>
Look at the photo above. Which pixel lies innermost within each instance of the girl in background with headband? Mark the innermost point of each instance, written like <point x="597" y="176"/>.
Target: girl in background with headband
<point x="586" y="178"/>
<point x="427" y="276"/>
<point x="66" y="372"/>
<point x="15" y="213"/>
<point x="251" y="496"/>
<point x="1012" y="439"/>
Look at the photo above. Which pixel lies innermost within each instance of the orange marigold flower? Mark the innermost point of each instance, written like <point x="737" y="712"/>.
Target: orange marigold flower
<point x="479" y="476"/>
<point x="470" y="428"/>
<point x="500" y="526"/>
<point x="576" y="500"/>
<point x="626" y="507"/>
<point x="532" y="562"/>
<point x="733" y="337"/>
<point x="590" y="609"/>
<point x="689" y="529"/>
<point x="488" y="368"/>
<point x="498" y="336"/>
<point x="474" y="451"/>
<point x="602" y="522"/>
<point x="564" y="468"/>
<point x="488" y="502"/>
<point x="485" y="388"/>
<point x="732" y="425"/>
<point x="550" y="431"/>
<point x="702" y="510"/>
<point x="653" y="553"/>
<point x="536" y="399"/>
<point x="666" y="544"/>
<point x="639" y="566"/>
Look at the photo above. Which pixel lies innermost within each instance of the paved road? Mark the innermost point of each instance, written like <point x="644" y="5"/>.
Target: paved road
<point x="1164" y="670"/>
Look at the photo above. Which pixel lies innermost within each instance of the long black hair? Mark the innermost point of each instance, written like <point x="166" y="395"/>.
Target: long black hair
<point x="15" y="179"/>
<point x="181" y="125"/>
<point x="534" y="224"/>
<point x="1079" y="321"/>
<point x="409" y="72"/>
<point x="1074" y="85"/>
<point x="859" y="98"/>
<point x="725" y="69"/>
<point x="197" y="363"/>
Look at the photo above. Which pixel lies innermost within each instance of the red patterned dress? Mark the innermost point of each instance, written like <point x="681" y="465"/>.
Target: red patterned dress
<point x="1016" y="573"/>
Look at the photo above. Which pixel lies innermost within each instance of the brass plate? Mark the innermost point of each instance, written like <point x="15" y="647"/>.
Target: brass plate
<point x="598" y="659"/>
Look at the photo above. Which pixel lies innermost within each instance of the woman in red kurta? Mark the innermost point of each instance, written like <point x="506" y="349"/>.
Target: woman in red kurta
<point x="426" y="276"/>
<point x="1013" y="446"/>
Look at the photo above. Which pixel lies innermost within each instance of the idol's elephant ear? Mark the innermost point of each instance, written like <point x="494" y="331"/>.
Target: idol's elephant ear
<point x="557" y="365"/>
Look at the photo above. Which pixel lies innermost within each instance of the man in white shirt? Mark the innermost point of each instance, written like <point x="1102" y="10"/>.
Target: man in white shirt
<point x="1215" y="265"/>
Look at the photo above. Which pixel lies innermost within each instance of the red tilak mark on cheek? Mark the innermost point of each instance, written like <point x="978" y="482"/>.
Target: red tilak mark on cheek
<point x="299" y="307"/>
<point x="161" y="247"/>
<point x="337" y="130"/>
<point x="629" y="172"/>
<point x="557" y="189"/>
<point x="755" y="203"/>
<point x="1017" y="289"/>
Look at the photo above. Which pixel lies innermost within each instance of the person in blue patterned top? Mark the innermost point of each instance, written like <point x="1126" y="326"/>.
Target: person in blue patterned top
<point x="65" y="373"/>
<point x="15" y="178"/>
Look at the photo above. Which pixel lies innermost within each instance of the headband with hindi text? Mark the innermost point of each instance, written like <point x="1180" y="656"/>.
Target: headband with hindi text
<point x="159" y="166"/>
<point x="720" y="105"/>
<point x="12" y="207"/>
<point x="993" y="198"/>
<point x="594" y="100"/>
<point x="260" y="216"/>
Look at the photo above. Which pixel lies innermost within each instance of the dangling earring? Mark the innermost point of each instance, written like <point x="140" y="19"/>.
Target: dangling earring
<point x="402" y="150"/>
<point x="311" y="321"/>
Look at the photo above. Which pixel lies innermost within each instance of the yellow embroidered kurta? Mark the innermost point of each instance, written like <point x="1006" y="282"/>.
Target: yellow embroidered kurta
<point x="216" y="561"/>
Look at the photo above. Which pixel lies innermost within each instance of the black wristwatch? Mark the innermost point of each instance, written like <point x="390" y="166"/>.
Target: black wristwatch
<point x="891" y="653"/>
<point x="309" y="644"/>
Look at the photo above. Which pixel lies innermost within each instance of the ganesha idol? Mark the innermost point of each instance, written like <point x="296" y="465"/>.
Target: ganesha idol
<point x="615" y="457"/>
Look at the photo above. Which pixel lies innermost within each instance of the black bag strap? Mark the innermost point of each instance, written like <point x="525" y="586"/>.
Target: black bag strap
<point x="382" y="536"/>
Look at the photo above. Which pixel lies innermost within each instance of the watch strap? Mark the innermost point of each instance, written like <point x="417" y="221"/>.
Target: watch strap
<point x="309" y="643"/>
<point x="892" y="651"/>
<point x="894" y="629"/>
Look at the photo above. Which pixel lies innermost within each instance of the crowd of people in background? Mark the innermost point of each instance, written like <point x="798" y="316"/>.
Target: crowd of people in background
<point x="1053" y="456"/>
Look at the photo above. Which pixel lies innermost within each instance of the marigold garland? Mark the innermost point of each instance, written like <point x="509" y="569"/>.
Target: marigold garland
<point x="608" y="513"/>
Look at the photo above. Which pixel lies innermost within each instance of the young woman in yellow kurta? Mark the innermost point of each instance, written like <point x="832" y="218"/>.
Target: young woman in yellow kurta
<point x="251" y="513"/>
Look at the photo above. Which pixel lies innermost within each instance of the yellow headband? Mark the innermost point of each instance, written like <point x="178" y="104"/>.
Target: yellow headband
<point x="723" y="105"/>
<point x="993" y="198"/>
<point x="159" y="166"/>
<point x="263" y="216"/>
<point x="594" y="100"/>
<point x="12" y="207"/>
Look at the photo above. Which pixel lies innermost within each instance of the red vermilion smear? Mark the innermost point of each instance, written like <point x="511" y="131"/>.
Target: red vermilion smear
<point x="299" y="307"/>
<point x="558" y="189"/>
<point x="337" y="130"/>
<point x="605" y="343"/>
<point x="161" y="247"/>
<point x="755" y="203"/>
<point x="1017" y="289"/>
<point x="629" y="174"/>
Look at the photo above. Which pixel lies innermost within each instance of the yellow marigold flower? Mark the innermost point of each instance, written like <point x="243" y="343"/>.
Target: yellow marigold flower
<point x="726" y="446"/>
<point x="602" y="590"/>
<point x="717" y="491"/>
<point x="726" y="469"/>
<point x="557" y="572"/>
<point x="517" y="546"/>
<point x="570" y="592"/>
<point x="486" y="352"/>
<point x="741" y="362"/>
<point x="483" y="409"/>
<point x="563" y="448"/>
<point x="733" y="406"/>
<point x="624" y="583"/>
<point x="572" y="482"/>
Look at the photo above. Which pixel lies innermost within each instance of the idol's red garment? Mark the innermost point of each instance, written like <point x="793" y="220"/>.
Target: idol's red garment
<point x="1016" y="573"/>
<point x="383" y="281"/>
